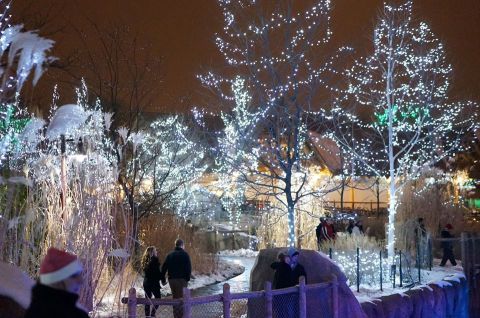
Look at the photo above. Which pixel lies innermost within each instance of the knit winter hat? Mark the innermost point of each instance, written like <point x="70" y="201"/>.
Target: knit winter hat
<point x="58" y="265"/>
<point x="292" y="252"/>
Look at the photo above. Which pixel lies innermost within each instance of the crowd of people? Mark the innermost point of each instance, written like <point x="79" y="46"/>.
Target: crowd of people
<point x="60" y="276"/>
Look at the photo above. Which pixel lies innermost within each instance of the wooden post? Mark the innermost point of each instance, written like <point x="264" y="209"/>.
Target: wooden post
<point x="465" y="256"/>
<point x="381" y="272"/>
<point x="302" y="298"/>
<point x="187" y="306"/>
<point x="334" y="296"/>
<point x="132" y="303"/>
<point x="358" y="269"/>
<point x="268" y="300"/>
<point x="226" y="300"/>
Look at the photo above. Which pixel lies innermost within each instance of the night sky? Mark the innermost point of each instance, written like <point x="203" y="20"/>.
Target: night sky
<point x="182" y="32"/>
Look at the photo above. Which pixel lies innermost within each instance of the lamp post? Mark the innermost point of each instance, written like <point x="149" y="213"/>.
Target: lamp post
<point x="65" y="122"/>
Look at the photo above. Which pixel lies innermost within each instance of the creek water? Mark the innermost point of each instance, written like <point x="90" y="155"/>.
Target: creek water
<point x="240" y="283"/>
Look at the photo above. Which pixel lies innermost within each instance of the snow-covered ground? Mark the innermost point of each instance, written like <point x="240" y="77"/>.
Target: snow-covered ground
<point x="437" y="275"/>
<point x="239" y="253"/>
<point x="227" y="270"/>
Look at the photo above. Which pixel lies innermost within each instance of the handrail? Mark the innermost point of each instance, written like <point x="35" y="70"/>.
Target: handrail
<point x="226" y="297"/>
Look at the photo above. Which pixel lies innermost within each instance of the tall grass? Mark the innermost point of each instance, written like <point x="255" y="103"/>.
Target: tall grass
<point x="36" y="219"/>
<point x="161" y="230"/>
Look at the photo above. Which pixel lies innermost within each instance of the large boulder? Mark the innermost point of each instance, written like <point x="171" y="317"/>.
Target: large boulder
<point x="319" y="268"/>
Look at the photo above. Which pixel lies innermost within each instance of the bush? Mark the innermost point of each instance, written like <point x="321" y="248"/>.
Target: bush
<point x="161" y="231"/>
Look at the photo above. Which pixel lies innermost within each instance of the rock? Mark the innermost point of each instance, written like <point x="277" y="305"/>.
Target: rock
<point x="417" y="302"/>
<point x="319" y="268"/>
<point x="397" y="306"/>
<point x="440" y="303"/>
<point x="373" y="308"/>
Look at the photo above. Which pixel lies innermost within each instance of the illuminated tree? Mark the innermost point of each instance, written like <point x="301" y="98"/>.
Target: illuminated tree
<point x="275" y="48"/>
<point x="237" y="151"/>
<point x="171" y="160"/>
<point x="401" y="116"/>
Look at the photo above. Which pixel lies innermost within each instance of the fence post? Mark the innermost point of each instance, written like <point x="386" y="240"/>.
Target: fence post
<point x="226" y="300"/>
<point x="132" y="303"/>
<point x="187" y="306"/>
<point x="334" y="296"/>
<point x="268" y="300"/>
<point x="302" y="298"/>
<point x="401" y="274"/>
<point x="358" y="269"/>
<point x="381" y="272"/>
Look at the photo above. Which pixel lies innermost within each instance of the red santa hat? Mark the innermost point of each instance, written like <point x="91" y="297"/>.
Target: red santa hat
<point x="58" y="265"/>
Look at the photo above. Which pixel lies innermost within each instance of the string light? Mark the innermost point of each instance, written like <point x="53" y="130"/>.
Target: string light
<point x="403" y="85"/>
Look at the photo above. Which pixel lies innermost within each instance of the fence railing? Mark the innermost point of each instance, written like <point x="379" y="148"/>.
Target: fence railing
<point x="268" y="303"/>
<point x="471" y="267"/>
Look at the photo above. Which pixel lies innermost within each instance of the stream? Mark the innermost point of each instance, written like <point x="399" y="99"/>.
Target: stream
<point x="240" y="283"/>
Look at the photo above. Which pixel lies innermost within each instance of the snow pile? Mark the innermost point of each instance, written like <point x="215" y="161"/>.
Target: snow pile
<point x="243" y="252"/>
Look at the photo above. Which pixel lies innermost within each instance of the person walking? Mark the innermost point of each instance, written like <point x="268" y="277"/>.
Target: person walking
<point x="179" y="268"/>
<point x="350" y="226"/>
<point x="56" y="293"/>
<point x="447" y="246"/>
<point x="331" y="232"/>
<point x="357" y="229"/>
<point x="321" y="232"/>
<point x="151" y="278"/>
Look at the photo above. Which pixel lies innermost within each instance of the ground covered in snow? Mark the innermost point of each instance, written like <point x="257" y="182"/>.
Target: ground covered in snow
<point x="239" y="253"/>
<point x="227" y="270"/>
<point x="435" y="276"/>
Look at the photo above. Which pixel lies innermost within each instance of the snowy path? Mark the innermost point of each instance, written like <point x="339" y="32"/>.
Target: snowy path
<point x="238" y="283"/>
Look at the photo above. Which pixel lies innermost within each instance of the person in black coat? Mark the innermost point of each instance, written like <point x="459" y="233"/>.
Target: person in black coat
<point x="49" y="302"/>
<point x="283" y="306"/>
<point x="447" y="246"/>
<point x="283" y="277"/>
<point x="151" y="278"/>
<point x="297" y="269"/>
<point x="179" y="268"/>
<point x="56" y="293"/>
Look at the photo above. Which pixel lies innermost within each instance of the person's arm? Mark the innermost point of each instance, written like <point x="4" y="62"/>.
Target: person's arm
<point x="304" y="274"/>
<point x="325" y="232"/>
<point x="189" y="268"/>
<point x="164" y="270"/>
<point x="157" y="270"/>
<point x="274" y="265"/>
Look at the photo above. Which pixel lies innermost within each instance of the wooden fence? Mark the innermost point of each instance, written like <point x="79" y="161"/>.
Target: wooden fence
<point x="264" y="297"/>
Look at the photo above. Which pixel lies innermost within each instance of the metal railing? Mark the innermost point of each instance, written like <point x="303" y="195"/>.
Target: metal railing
<point x="278" y="303"/>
